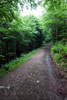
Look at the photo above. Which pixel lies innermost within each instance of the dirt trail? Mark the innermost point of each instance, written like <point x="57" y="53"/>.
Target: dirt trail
<point x="34" y="80"/>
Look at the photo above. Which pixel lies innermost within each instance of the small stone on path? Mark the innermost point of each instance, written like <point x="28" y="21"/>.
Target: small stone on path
<point x="38" y="81"/>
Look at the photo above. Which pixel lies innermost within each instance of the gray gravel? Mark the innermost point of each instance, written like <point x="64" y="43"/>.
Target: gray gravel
<point x="34" y="80"/>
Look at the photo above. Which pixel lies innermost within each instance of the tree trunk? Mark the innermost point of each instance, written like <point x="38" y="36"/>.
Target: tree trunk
<point x="56" y="30"/>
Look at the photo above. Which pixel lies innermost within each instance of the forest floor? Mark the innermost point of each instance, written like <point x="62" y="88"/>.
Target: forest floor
<point x="34" y="80"/>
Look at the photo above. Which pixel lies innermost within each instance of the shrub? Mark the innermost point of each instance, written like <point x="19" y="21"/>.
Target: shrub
<point x="59" y="52"/>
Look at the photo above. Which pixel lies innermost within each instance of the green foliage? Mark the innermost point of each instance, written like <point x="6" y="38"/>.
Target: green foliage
<point x="59" y="52"/>
<point x="54" y="22"/>
<point x="58" y="47"/>
<point x="20" y="36"/>
<point x="17" y="34"/>
<point x="7" y="15"/>
<point x="54" y="25"/>
<point x="17" y="62"/>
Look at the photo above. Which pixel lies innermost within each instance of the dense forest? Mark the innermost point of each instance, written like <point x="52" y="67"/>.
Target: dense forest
<point x="19" y="35"/>
<point x="54" y="24"/>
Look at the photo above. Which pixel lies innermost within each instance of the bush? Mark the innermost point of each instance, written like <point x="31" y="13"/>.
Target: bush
<point x="59" y="52"/>
<point x="58" y="47"/>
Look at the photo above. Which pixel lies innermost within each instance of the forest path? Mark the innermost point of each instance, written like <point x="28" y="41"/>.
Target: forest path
<point x="34" y="80"/>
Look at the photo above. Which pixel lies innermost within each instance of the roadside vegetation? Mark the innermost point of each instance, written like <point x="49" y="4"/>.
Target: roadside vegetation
<point x="17" y="62"/>
<point x="54" y="25"/>
<point x="59" y="52"/>
<point x="20" y="35"/>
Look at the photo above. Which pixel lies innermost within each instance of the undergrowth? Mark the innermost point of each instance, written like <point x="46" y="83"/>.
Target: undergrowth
<point x="59" y="52"/>
<point x="17" y="62"/>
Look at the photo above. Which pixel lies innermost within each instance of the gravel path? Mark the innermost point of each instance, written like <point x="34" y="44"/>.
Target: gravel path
<point x="34" y="80"/>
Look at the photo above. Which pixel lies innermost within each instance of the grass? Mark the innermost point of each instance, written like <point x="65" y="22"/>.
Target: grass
<point x="16" y="63"/>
